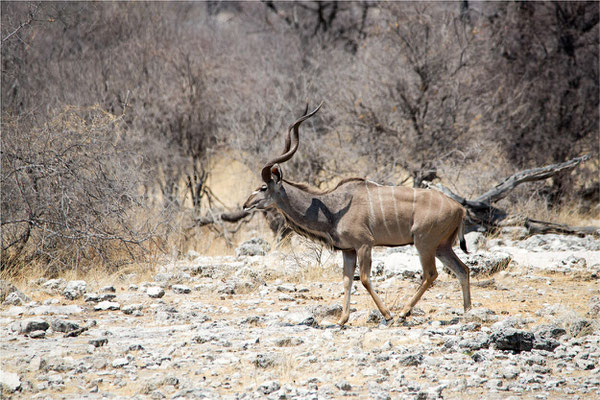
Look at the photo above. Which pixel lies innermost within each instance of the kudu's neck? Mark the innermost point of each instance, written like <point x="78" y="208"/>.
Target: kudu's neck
<point x="311" y="213"/>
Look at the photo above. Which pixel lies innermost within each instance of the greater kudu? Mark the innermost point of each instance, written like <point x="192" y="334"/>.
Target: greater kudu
<point x="358" y="214"/>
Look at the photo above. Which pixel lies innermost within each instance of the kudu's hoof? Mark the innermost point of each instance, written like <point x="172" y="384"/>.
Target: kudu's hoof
<point x="405" y="313"/>
<point x="387" y="322"/>
<point x="331" y="325"/>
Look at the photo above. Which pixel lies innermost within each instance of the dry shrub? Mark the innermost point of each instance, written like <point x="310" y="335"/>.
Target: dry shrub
<point x="313" y="262"/>
<point x="70" y="193"/>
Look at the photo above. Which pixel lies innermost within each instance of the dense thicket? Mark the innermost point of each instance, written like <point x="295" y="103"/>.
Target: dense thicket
<point x="465" y="92"/>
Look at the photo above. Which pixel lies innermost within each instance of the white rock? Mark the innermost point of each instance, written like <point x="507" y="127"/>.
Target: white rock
<point x="299" y="318"/>
<point x="405" y="265"/>
<point x="44" y="310"/>
<point x="192" y="254"/>
<point x="16" y="298"/>
<point x="475" y="241"/>
<point x="120" y="362"/>
<point x="15" y="311"/>
<point x="9" y="381"/>
<point x="269" y="387"/>
<point x="74" y="289"/>
<point x="487" y="263"/>
<point x="155" y="292"/>
<point x="54" y="284"/>
<point x="29" y="325"/>
<point x="369" y="371"/>
<point x="107" y="305"/>
<point x="253" y="247"/>
<point x="181" y="289"/>
<point x="132" y="308"/>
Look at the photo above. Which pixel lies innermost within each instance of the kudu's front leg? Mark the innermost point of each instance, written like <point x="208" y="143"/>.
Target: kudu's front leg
<point x="364" y="262"/>
<point x="349" y="266"/>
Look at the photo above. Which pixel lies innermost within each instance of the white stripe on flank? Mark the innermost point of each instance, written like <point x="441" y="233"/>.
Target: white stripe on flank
<point x="396" y="209"/>
<point x="383" y="212"/>
<point x="429" y="209"/>
<point x="371" y="209"/>
<point x="413" y="204"/>
<point x="429" y="204"/>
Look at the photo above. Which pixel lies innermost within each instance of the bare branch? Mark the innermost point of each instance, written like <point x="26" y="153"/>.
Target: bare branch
<point x="24" y="24"/>
<point x="529" y="175"/>
<point x="213" y="217"/>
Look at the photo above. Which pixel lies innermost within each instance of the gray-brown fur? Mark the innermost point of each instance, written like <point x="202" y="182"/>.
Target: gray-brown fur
<point x="312" y="190"/>
<point x="358" y="214"/>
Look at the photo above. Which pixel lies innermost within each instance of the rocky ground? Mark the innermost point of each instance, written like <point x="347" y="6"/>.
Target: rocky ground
<point x="260" y="326"/>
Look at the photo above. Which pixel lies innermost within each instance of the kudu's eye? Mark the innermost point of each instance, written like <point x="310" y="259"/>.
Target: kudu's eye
<point x="263" y="188"/>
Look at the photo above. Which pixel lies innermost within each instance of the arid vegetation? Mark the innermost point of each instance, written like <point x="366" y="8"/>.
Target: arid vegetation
<point x="115" y="114"/>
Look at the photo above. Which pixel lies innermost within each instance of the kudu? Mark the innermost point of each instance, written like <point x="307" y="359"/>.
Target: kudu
<point x="358" y="214"/>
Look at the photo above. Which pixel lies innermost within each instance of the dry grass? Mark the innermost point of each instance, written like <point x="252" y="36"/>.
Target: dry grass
<point x="570" y="215"/>
<point x="314" y="262"/>
<point x="95" y="277"/>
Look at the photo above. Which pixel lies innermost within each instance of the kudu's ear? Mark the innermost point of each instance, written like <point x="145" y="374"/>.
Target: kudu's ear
<point x="276" y="173"/>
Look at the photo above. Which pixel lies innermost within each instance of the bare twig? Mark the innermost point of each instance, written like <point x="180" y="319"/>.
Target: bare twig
<point x="23" y="24"/>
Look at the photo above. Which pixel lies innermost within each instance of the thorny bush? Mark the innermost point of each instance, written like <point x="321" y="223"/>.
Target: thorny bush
<point x="70" y="193"/>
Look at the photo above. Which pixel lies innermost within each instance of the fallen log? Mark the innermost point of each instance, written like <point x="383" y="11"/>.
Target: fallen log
<point x="500" y="191"/>
<point x="482" y="215"/>
<point x="535" y="226"/>
<point x="232" y="217"/>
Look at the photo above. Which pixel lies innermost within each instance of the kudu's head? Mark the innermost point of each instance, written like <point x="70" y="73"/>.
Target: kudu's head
<point x="264" y="196"/>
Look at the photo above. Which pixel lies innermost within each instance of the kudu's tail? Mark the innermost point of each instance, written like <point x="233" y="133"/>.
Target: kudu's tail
<point x="461" y="236"/>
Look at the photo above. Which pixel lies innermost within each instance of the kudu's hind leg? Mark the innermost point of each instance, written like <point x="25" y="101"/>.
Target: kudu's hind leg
<point x="459" y="269"/>
<point x="349" y="266"/>
<point x="364" y="262"/>
<point x="429" y="275"/>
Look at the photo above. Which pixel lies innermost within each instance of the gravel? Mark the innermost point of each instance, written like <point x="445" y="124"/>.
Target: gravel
<point x="229" y="328"/>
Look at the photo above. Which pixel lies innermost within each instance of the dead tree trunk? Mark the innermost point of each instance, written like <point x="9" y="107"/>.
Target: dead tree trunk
<point x="529" y="175"/>
<point x="233" y="216"/>
<point x="535" y="226"/>
<point x="481" y="214"/>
